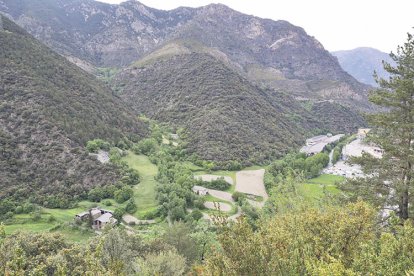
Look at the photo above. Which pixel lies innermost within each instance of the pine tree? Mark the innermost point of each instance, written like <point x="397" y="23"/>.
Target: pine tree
<point x="390" y="184"/>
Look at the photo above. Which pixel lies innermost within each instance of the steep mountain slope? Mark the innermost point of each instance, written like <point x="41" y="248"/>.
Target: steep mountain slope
<point x="275" y="54"/>
<point x="225" y="116"/>
<point x="49" y="108"/>
<point x="94" y="32"/>
<point x="362" y="62"/>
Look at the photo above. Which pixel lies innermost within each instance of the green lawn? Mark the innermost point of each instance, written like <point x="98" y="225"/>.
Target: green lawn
<point x="36" y="227"/>
<point x="317" y="188"/>
<point x="326" y="179"/>
<point x="144" y="192"/>
<point x="24" y="222"/>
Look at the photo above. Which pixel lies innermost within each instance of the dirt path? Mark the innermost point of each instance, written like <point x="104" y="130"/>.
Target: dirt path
<point x="220" y="194"/>
<point x="224" y="207"/>
<point x="128" y="219"/>
<point x="251" y="182"/>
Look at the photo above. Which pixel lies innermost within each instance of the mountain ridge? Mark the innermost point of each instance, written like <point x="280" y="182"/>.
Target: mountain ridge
<point x="361" y="63"/>
<point x="49" y="109"/>
<point x="118" y="35"/>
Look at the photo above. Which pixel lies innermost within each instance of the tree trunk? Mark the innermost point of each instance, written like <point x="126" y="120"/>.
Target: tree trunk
<point x="405" y="193"/>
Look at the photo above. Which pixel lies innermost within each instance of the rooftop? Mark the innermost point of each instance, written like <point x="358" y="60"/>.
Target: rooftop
<point x="105" y="217"/>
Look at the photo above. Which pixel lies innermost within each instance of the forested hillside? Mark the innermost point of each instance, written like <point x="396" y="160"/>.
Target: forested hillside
<point x="49" y="109"/>
<point x="225" y="117"/>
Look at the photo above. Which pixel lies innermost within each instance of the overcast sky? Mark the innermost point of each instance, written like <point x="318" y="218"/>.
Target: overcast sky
<point x="337" y="24"/>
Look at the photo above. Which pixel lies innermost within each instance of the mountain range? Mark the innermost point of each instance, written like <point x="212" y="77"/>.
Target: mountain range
<point x="362" y="62"/>
<point x="242" y="87"/>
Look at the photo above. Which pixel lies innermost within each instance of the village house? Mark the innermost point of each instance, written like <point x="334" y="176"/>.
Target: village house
<point x="104" y="220"/>
<point x="98" y="217"/>
<point x="198" y="190"/>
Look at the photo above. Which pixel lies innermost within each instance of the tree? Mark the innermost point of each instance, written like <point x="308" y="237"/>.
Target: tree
<point x="116" y="253"/>
<point x="179" y="236"/>
<point x="391" y="184"/>
<point x="163" y="263"/>
<point x="299" y="243"/>
<point x="131" y="207"/>
<point x="123" y="194"/>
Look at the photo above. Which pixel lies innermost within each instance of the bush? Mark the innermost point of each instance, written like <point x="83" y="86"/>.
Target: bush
<point x="218" y="184"/>
<point x="118" y="213"/>
<point x="97" y="144"/>
<point x="36" y="215"/>
<point x="18" y="210"/>
<point x="8" y="215"/>
<point x="107" y="203"/>
<point x="146" y="146"/>
<point x="131" y="207"/>
<point x="123" y="194"/>
<point x="151" y="214"/>
<point x="51" y="218"/>
<point x="237" y="196"/>
<point x="196" y="214"/>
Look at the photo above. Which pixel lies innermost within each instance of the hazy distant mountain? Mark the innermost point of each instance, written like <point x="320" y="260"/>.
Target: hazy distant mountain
<point x="49" y="109"/>
<point x="362" y="62"/>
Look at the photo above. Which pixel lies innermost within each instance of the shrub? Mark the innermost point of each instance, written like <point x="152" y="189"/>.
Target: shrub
<point x="146" y="146"/>
<point x="196" y="214"/>
<point x="51" y="218"/>
<point x="131" y="207"/>
<point x="118" y="213"/>
<point x="237" y="196"/>
<point x="107" y="203"/>
<point x="36" y="215"/>
<point x="18" y="210"/>
<point x="97" y="144"/>
<point x="123" y="194"/>
<point x="218" y="184"/>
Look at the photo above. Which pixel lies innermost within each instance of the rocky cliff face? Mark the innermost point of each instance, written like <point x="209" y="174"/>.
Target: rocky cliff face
<point x="275" y="54"/>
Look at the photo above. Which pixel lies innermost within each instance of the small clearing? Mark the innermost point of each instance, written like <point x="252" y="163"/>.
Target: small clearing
<point x="212" y="177"/>
<point x="251" y="182"/>
<point x="145" y="191"/>
<point x="102" y="156"/>
<point x="218" y="206"/>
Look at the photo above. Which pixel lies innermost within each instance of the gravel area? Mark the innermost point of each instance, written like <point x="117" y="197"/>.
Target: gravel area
<point x="251" y="182"/>
<point x="220" y="194"/>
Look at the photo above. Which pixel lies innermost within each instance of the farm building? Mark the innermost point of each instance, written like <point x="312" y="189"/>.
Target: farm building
<point x="200" y="190"/>
<point x="103" y="220"/>
<point x="100" y="217"/>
